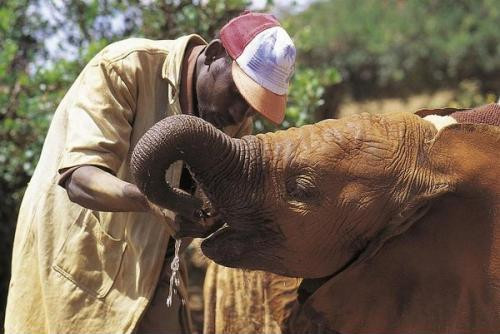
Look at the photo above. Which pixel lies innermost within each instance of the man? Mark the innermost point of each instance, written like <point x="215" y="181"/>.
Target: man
<point x="90" y="251"/>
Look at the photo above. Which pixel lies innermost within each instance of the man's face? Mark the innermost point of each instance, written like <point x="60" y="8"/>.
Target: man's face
<point x="219" y="101"/>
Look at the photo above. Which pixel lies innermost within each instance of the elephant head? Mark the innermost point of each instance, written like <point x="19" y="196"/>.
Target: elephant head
<point x="398" y="220"/>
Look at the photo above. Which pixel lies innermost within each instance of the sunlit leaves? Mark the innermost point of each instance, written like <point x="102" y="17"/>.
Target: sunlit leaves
<point x="408" y="44"/>
<point x="305" y="96"/>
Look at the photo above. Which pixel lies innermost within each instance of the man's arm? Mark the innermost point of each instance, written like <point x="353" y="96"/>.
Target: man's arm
<point x="97" y="189"/>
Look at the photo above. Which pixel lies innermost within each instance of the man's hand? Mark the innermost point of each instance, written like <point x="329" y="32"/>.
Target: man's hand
<point x="181" y="227"/>
<point x="196" y="228"/>
<point x="96" y="189"/>
<point x="169" y="217"/>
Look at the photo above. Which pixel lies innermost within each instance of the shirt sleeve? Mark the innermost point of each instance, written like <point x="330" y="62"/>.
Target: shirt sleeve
<point x="99" y="121"/>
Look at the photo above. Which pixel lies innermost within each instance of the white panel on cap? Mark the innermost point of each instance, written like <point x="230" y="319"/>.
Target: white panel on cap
<point x="269" y="59"/>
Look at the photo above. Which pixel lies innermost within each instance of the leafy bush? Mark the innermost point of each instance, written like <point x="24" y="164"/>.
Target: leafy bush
<point x="402" y="45"/>
<point x="307" y="89"/>
<point x="469" y="95"/>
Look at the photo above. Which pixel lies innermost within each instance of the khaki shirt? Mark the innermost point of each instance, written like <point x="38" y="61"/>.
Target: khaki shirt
<point x="76" y="270"/>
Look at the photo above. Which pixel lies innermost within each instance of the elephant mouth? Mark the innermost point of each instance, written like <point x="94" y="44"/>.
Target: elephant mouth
<point x="224" y="246"/>
<point x="240" y="248"/>
<point x="224" y="229"/>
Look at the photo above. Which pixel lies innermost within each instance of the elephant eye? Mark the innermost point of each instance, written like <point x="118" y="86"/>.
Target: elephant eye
<point x="301" y="188"/>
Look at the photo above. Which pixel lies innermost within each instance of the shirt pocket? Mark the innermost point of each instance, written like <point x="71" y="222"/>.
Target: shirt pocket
<point x="90" y="257"/>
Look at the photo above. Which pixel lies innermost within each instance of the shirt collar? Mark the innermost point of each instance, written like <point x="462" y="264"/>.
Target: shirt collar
<point x="172" y="67"/>
<point x="187" y="76"/>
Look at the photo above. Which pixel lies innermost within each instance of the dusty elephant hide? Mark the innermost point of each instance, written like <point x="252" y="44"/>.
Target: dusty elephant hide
<point x="304" y="320"/>
<point x="398" y="214"/>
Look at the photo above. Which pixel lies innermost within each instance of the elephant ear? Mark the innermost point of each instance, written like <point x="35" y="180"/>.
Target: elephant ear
<point x="440" y="272"/>
<point x="439" y="111"/>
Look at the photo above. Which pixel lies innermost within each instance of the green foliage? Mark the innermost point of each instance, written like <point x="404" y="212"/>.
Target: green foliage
<point x="17" y="48"/>
<point x="306" y="95"/>
<point x="469" y="95"/>
<point x="400" y="44"/>
<point x="170" y="19"/>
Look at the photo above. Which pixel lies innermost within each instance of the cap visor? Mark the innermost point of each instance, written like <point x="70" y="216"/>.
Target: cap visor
<point x="268" y="104"/>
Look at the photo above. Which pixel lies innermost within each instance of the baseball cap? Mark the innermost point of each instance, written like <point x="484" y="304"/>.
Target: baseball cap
<point x="263" y="61"/>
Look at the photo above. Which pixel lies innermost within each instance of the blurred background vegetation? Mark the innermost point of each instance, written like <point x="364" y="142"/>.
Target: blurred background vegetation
<point x="353" y="56"/>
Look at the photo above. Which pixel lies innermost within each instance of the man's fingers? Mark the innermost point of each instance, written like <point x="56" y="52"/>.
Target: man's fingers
<point x="167" y="216"/>
<point x="180" y="226"/>
<point x="196" y="229"/>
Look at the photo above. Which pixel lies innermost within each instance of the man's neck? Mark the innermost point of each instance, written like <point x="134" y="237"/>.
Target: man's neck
<point x="187" y="87"/>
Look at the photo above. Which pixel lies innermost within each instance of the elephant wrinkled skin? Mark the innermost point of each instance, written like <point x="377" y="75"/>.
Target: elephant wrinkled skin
<point x="393" y="222"/>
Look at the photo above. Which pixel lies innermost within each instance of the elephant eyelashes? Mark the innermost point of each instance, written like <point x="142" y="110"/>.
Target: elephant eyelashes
<point x="301" y="188"/>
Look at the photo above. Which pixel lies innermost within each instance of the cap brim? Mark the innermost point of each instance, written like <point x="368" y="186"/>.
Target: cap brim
<point x="268" y="104"/>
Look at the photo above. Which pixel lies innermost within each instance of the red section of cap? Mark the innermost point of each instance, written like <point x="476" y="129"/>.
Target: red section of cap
<point x="236" y="34"/>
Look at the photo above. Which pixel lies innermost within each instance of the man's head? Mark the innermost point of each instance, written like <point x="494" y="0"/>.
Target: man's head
<point x="248" y="69"/>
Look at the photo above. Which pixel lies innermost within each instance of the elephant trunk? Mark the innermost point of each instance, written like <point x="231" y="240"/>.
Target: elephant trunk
<point x="206" y="150"/>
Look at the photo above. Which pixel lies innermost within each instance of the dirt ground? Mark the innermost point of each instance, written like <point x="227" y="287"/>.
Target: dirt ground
<point x="439" y="99"/>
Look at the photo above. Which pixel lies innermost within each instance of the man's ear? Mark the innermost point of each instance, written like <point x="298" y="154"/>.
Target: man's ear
<point x="214" y="51"/>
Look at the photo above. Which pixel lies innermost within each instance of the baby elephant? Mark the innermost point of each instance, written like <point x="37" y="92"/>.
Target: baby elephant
<point x="392" y="219"/>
